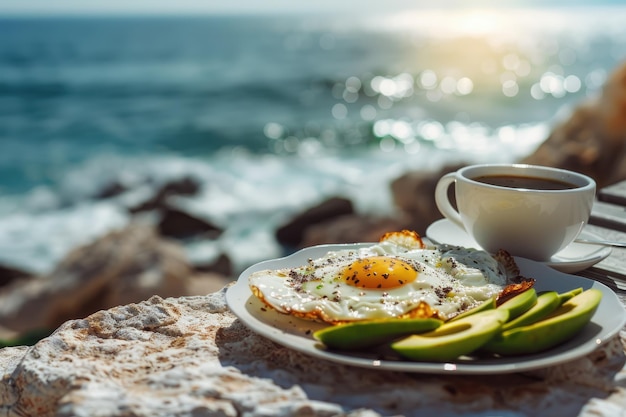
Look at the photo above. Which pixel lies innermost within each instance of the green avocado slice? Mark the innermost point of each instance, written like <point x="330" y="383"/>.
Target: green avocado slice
<point x="454" y="338"/>
<point x="369" y="333"/>
<point x="546" y="303"/>
<point x="519" y="304"/>
<point x="569" y="294"/>
<point x="559" y="326"/>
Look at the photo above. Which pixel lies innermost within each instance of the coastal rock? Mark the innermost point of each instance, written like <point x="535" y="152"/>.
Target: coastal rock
<point x="110" y="190"/>
<point x="413" y="194"/>
<point x="146" y="199"/>
<point x="593" y="139"/>
<point x="186" y="186"/>
<point x="351" y="229"/>
<point x="9" y="274"/>
<point x="180" y="224"/>
<point x="334" y="220"/>
<point x="190" y="356"/>
<point x="222" y="265"/>
<point x="292" y="233"/>
<point x="122" y="267"/>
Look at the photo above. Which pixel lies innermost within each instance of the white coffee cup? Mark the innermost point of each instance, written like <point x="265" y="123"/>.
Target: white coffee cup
<point x="525" y="220"/>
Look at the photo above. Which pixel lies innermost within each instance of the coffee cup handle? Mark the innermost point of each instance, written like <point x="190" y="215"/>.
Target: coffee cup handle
<point x="443" y="202"/>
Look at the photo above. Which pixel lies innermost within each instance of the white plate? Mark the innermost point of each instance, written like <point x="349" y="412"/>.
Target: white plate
<point x="296" y="333"/>
<point x="574" y="258"/>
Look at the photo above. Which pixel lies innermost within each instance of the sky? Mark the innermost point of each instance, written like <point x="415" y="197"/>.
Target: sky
<point x="170" y="7"/>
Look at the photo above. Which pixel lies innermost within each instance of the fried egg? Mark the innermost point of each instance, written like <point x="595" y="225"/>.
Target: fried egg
<point x="400" y="276"/>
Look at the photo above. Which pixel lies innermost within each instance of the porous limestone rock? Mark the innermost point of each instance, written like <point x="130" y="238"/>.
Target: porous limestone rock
<point x="190" y="356"/>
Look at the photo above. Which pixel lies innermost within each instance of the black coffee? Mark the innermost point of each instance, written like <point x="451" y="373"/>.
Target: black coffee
<point x="533" y="183"/>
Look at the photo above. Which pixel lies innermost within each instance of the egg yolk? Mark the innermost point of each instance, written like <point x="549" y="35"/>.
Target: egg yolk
<point x="378" y="272"/>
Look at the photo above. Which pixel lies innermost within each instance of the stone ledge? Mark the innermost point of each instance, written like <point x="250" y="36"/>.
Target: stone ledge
<point x="191" y="356"/>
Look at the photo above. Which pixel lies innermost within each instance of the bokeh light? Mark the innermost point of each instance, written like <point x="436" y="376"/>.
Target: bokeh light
<point x="442" y="90"/>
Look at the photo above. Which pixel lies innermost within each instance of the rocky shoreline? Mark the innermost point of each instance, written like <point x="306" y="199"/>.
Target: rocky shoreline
<point x="146" y="257"/>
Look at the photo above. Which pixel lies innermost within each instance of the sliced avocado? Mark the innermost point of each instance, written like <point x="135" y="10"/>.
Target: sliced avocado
<point x="546" y="303"/>
<point x="368" y="333"/>
<point x="520" y="303"/>
<point x="569" y="294"/>
<point x="562" y="324"/>
<point x="453" y="339"/>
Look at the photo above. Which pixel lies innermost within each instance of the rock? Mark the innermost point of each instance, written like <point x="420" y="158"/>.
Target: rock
<point x="292" y="233"/>
<point x="593" y="139"/>
<point x="173" y="220"/>
<point x="221" y="265"/>
<point x="109" y="190"/>
<point x="179" y="224"/>
<point x="350" y="229"/>
<point x="121" y="267"/>
<point x="9" y="274"/>
<point x="414" y="195"/>
<point x="334" y="220"/>
<point x="185" y="186"/>
<point x="190" y="356"/>
<point x="202" y="283"/>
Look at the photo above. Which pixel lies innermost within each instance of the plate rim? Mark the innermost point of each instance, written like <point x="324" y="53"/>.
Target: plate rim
<point x="238" y="295"/>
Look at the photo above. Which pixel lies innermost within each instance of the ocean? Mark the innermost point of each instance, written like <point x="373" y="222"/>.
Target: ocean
<point x="272" y="113"/>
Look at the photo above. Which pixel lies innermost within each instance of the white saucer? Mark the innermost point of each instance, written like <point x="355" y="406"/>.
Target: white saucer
<point x="574" y="258"/>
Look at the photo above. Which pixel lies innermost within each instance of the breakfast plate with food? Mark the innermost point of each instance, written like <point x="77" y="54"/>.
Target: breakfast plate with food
<point x="406" y="304"/>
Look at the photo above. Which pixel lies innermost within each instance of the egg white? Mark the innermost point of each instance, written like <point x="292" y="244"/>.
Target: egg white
<point x="450" y="279"/>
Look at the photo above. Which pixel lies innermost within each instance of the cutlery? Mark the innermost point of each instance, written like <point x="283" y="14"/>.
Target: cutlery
<point x="601" y="242"/>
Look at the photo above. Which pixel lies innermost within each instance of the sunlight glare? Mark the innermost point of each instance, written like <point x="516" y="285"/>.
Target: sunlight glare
<point x="463" y="22"/>
<point x="482" y="22"/>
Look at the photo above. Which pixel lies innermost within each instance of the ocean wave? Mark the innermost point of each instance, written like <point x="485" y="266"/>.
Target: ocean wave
<point x="247" y="195"/>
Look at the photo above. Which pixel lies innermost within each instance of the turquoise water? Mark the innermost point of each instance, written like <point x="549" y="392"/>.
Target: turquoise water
<point x="272" y="113"/>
